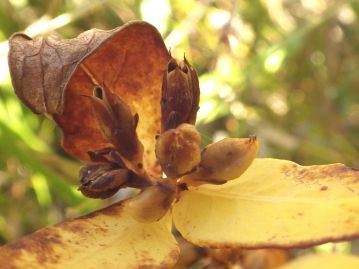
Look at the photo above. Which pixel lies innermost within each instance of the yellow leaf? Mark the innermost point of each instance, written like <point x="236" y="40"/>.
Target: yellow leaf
<point x="275" y="203"/>
<point x="325" y="261"/>
<point x="108" y="238"/>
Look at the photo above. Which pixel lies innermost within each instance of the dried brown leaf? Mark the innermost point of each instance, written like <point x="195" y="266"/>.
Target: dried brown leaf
<point x="40" y="68"/>
<point x="52" y="76"/>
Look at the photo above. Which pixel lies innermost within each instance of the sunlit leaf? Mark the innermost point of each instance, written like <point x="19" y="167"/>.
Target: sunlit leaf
<point x="327" y="261"/>
<point x="108" y="238"/>
<point x="275" y="203"/>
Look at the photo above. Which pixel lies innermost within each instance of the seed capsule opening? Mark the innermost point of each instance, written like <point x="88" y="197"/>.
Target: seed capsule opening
<point x="184" y="69"/>
<point x="172" y="65"/>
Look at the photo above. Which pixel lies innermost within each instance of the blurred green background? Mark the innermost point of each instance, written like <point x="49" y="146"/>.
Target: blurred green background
<point x="286" y="71"/>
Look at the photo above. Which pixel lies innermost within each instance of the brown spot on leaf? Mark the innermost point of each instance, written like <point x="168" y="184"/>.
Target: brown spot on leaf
<point x="323" y="188"/>
<point x="113" y="210"/>
<point x="40" y="244"/>
<point x="315" y="172"/>
<point x="229" y="153"/>
<point x="171" y="257"/>
<point x="86" y="241"/>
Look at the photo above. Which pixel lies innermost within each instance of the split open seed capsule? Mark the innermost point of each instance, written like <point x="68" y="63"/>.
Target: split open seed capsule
<point x="102" y="180"/>
<point x="180" y="94"/>
<point x="118" y="125"/>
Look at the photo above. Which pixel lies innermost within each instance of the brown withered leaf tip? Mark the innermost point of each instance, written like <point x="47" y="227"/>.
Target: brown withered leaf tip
<point x="53" y="76"/>
<point x="41" y="68"/>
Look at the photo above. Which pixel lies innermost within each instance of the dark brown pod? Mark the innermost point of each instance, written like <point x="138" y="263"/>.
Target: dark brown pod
<point x="118" y="125"/>
<point x="180" y="94"/>
<point x="102" y="180"/>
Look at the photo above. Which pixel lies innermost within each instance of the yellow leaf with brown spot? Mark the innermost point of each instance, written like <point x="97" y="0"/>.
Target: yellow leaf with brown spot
<point x="325" y="261"/>
<point x="108" y="238"/>
<point x="275" y="203"/>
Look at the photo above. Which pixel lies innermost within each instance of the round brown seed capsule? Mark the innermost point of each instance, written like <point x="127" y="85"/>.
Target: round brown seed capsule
<point x="178" y="150"/>
<point x="224" y="160"/>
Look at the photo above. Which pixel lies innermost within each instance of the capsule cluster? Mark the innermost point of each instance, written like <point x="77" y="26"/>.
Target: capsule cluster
<point x="178" y="149"/>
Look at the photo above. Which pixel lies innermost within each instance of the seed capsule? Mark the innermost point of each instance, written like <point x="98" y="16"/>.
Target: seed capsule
<point x="180" y="94"/>
<point x="118" y="125"/>
<point x="151" y="204"/>
<point x="178" y="150"/>
<point x="102" y="180"/>
<point x="224" y="160"/>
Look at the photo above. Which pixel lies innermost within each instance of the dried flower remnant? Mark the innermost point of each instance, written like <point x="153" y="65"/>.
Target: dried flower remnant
<point x="117" y="157"/>
<point x="177" y="148"/>
<point x="97" y="107"/>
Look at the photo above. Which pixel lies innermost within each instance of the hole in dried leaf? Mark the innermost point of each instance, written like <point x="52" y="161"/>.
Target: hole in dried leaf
<point x="98" y="92"/>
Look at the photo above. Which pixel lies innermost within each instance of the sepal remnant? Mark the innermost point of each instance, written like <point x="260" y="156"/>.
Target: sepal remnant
<point x="153" y="202"/>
